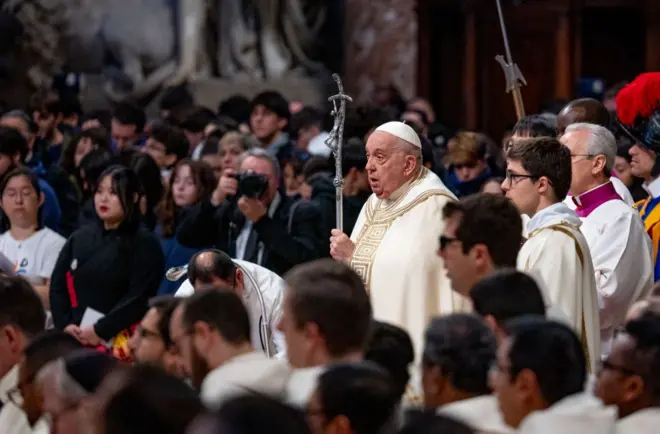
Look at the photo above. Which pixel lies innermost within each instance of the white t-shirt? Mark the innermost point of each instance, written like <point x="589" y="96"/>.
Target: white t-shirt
<point x="34" y="258"/>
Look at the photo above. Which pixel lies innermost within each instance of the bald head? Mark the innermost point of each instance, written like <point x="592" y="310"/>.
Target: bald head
<point x="583" y="110"/>
<point x="211" y="267"/>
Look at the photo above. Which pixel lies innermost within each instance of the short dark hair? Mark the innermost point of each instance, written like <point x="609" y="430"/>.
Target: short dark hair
<point x="175" y="97"/>
<point x="545" y="157"/>
<point x="221" y="309"/>
<point x="322" y="288"/>
<point x="130" y="114"/>
<point x="197" y="119"/>
<point x="361" y="392"/>
<point x="218" y="264"/>
<point x="490" y="220"/>
<point x="507" y="294"/>
<point x="535" y="126"/>
<point x="236" y="107"/>
<point x="463" y="348"/>
<point x="173" y="138"/>
<point x="48" y="346"/>
<point x="391" y="348"/>
<point x="252" y="414"/>
<point x="354" y="155"/>
<point x="645" y="330"/>
<point x="552" y="351"/>
<point x="165" y="306"/>
<point x="12" y="142"/>
<point x="273" y="101"/>
<point x="307" y="117"/>
<point x="144" y="402"/>
<point x="94" y="164"/>
<point x="21" y="306"/>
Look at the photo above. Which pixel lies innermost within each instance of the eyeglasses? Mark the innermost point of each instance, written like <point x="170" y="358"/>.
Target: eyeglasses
<point x="446" y="241"/>
<point x="513" y="178"/>
<point x="587" y="156"/>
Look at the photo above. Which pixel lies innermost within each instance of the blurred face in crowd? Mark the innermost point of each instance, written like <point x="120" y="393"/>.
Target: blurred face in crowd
<point x="584" y="167"/>
<point x="66" y="417"/>
<point x="45" y="121"/>
<point x="193" y="363"/>
<point x="158" y="152"/>
<point x="521" y="189"/>
<point x="642" y="161"/>
<point x="230" y="150"/>
<point x="423" y="105"/>
<point x="292" y="182"/>
<point x="215" y="163"/>
<point x="184" y="189"/>
<point x="469" y="169"/>
<point x="107" y="203"/>
<point x="83" y="147"/>
<point x="146" y="344"/>
<point x="21" y="202"/>
<point x="265" y="124"/>
<point x="513" y="395"/>
<point x="26" y="394"/>
<point x="264" y="167"/>
<point x="123" y="135"/>
<point x="493" y="187"/>
<point x="463" y="269"/>
<point x="623" y="171"/>
<point x="298" y="347"/>
<point x="619" y="381"/>
<point x="389" y="164"/>
<point x="305" y="135"/>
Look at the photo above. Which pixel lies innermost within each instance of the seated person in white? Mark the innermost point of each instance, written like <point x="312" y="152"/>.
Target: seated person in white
<point x="621" y="250"/>
<point x="459" y="350"/>
<point x="211" y="329"/>
<point x="539" y="379"/>
<point x="32" y="248"/>
<point x="260" y="289"/>
<point x="630" y="378"/>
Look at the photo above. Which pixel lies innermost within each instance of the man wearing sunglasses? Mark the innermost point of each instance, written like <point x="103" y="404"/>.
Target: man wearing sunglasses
<point x="537" y="181"/>
<point x="629" y="376"/>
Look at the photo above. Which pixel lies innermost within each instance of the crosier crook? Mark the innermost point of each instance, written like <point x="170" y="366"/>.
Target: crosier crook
<point x="334" y="142"/>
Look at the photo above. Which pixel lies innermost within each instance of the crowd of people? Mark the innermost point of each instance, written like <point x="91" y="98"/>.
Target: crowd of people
<point x="186" y="274"/>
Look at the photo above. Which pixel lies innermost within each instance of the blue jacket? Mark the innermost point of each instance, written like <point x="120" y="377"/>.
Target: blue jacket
<point x="466" y="188"/>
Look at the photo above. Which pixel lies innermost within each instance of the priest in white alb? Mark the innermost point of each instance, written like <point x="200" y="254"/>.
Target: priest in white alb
<point x="393" y="245"/>
<point x="621" y="250"/>
<point x="537" y="180"/>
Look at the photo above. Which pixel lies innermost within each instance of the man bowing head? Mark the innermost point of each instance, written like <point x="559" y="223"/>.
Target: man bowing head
<point x="393" y="245"/>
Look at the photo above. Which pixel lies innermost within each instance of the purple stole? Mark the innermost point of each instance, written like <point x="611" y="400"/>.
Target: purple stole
<point x="589" y="201"/>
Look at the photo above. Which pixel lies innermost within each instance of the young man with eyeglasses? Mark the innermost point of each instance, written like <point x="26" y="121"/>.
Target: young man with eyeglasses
<point x="482" y="233"/>
<point x="629" y="376"/>
<point x="621" y="250"/>
<point x="538" y="179"/>
<point x="151" y="342"/>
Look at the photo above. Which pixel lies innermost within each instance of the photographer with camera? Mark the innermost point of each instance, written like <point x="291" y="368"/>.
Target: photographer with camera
<point x="252" y="220"/>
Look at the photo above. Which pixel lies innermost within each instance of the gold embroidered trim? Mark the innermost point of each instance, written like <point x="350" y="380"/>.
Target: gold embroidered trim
<point x="564" y="228"/>
<point x="374" y="229"/>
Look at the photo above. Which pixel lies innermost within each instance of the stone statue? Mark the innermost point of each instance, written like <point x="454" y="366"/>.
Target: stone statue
<point x="152" y="43"/>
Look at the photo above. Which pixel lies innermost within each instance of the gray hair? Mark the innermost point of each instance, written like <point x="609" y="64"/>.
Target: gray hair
<point x="600" y="142"/>
<point x="263" y="155"/>
<point x="410" y="149"/>
<point x="67" y="389"/>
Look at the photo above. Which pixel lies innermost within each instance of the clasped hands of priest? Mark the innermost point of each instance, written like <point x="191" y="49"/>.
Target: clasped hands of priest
<point x="341" y="246"/>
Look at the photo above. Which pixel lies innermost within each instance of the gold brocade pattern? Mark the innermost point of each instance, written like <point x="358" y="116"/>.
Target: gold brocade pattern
<point x="565" y="229"/>
<point x="376" y="224"/>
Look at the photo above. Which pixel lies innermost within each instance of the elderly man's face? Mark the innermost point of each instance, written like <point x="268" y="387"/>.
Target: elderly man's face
<point x="388" y="165"/>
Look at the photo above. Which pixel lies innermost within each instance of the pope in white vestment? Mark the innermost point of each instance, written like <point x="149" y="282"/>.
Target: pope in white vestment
<point x="395" y="254"/>
<point x="557" y="251"/>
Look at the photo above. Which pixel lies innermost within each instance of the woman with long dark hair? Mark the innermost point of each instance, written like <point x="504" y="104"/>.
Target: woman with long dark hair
<point x="191" y="182"/>
<point x="107" y="271"/>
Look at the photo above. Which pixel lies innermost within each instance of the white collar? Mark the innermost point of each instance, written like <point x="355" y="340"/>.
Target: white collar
<point x="8" y="382"/>
<point x="653" y="187"/>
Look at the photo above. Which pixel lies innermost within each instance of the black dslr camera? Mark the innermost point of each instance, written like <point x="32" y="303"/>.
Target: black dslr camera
<point x="251" y="184"/>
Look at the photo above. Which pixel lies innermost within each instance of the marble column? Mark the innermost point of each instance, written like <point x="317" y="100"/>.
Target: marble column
<point x="381" y="46"/>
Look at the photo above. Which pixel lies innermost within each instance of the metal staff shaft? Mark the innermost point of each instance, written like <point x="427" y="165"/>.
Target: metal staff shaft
<point x="512" y="74"/>
<point x="335" y="143"/>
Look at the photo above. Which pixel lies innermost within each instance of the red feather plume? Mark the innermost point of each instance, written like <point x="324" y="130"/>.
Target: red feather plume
<point x="639" y="99"/>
